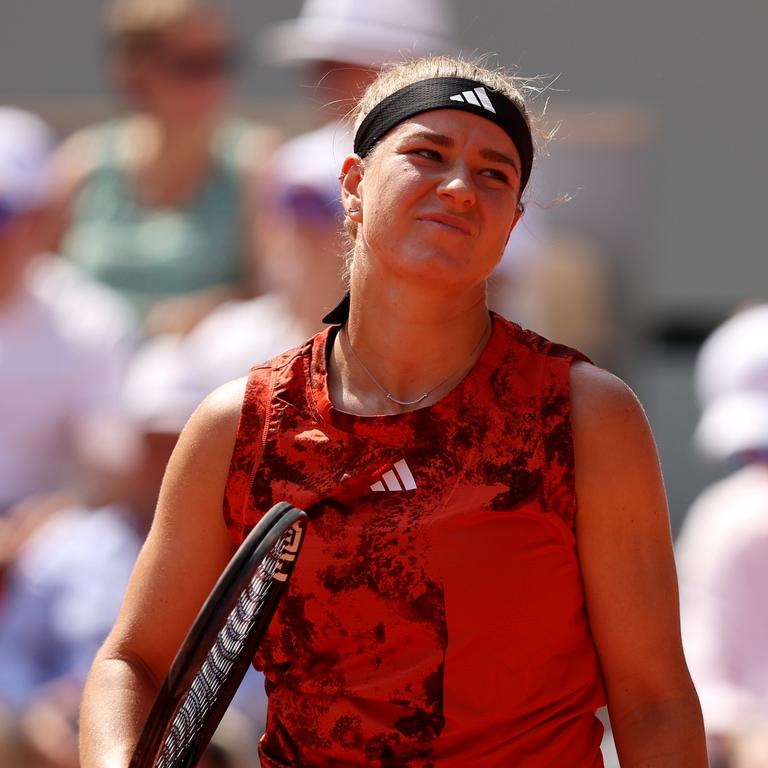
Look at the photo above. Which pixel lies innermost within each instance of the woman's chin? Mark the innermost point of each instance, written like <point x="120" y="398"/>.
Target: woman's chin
<point x="439" y="267"/>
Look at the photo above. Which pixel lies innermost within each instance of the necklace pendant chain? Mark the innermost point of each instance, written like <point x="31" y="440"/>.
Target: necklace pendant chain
<point x="388" y="394"/>
<point x="391" y="397"/>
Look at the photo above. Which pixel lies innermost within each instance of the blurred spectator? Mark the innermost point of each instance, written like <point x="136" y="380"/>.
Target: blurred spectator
<point x="159" y="205"/>
<point x="66" y="586"/>
<point x="723" y="547"/>
<point x="64" y="342"/>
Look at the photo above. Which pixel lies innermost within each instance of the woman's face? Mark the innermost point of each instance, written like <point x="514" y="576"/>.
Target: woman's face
<point x="439" y="198"/>
<point x="186" y="79"/>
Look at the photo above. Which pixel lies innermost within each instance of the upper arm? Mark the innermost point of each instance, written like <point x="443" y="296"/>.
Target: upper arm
<point x="624" y="544"/>
<point x="188" y="545"/>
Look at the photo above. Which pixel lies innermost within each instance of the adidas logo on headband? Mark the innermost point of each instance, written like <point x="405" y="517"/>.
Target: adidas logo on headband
<point x="470" y="97"/>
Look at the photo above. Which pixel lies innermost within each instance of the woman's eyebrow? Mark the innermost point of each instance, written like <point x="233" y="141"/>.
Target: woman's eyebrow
<point x="436" y="138"/>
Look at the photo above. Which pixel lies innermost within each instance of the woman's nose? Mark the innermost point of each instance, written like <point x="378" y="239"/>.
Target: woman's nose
<point x="457" y="185"/>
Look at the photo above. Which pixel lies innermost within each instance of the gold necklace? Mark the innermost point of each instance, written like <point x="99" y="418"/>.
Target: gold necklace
<point x="425" y="394"/>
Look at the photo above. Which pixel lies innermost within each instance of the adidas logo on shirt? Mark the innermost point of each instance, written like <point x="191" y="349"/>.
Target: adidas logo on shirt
<point x="399" y="478"/>
<point x="478" y="97"/>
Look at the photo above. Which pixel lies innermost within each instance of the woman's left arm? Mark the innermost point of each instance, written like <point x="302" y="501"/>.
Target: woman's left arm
<point x="625" y="551"/>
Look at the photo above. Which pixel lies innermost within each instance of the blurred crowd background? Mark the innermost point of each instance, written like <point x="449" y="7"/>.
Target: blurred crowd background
<point x="169" y="216"/>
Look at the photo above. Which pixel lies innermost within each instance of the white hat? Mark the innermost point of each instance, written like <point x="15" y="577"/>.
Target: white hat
<point x="732" y="385"/>
<point x="25" y="147"/>
<point x="361" y="32"/>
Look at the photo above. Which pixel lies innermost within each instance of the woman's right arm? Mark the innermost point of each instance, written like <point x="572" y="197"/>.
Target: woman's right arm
<point x="187" y="548"/>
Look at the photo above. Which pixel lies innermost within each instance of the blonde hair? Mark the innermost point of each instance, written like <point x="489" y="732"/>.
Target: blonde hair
<point x="397" y="76"/>
<point x="134" y="26"/>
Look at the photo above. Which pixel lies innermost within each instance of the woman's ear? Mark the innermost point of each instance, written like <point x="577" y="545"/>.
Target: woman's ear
<point x="352" y="173"/>
<point x="518" y="214"/>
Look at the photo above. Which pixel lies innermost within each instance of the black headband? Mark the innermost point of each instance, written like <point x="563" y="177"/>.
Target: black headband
<point x="449" y="93"/>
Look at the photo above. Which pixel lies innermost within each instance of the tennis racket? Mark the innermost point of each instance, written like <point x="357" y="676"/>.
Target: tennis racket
<point x="218" y="648"/>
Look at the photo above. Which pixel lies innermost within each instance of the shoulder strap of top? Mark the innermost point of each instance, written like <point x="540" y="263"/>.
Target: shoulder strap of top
<point x="557" y="434"/>
<point x="249" y="447"/>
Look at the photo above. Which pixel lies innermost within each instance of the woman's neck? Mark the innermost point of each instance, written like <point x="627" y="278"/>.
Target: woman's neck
<point x="404" y="342"/>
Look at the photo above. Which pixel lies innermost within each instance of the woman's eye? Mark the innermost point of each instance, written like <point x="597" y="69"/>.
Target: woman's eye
<point x="493" y="173"/>
<point x="430" y="154"/>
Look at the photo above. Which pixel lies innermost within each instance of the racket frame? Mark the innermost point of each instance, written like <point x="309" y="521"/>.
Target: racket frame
<point x="210" y="620"/>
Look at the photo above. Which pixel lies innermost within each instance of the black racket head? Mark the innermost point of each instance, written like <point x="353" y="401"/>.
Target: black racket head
<point x="220" y="645"/>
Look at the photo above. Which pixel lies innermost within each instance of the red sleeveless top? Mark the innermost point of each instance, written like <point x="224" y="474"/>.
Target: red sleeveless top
<point x="436" y="615"/>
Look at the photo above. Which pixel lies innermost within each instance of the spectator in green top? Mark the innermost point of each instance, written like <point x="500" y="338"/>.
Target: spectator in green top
<point x="159" y="204"/>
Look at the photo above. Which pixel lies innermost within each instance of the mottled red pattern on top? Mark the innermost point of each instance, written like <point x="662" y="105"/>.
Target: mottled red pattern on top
<point x="440" y="626"/>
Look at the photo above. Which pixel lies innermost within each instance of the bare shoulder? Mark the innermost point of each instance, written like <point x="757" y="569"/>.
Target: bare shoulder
<point x="212" y="429"/>
<point x="603" y="405"/>
<point x="221" y="408"/>
<point x="198" y="469"/>
<point x="615" y="454"/>
<point x="594" y="388"/>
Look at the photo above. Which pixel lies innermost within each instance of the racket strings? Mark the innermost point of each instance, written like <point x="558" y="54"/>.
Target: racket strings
<point x="225" y="652"/>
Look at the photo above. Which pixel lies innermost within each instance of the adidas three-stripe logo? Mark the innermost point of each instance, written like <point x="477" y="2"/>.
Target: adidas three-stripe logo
<point x="399" y="478"/>
<point x="478" y="97"/>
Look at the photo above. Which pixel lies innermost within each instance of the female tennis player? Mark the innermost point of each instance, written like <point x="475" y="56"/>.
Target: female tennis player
<point x="488" y="558"/>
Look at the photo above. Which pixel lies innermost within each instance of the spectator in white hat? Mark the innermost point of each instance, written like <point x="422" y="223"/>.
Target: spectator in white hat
<point x="723" y="547"/>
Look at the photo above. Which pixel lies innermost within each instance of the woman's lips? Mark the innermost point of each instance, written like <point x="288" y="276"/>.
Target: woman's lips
<point x="453" y="223"/>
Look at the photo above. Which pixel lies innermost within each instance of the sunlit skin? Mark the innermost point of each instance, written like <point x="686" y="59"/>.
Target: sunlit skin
<point x="437" y="200"/>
